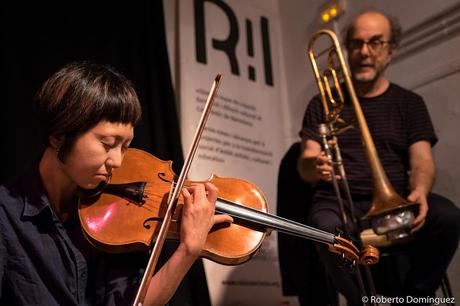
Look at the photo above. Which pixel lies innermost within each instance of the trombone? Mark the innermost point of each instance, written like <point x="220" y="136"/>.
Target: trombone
<point x="390" y="215"/>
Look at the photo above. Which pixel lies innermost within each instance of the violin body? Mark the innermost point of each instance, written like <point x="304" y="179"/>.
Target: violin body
<point x="115" y="223"/>
<point x="126" y="215"/>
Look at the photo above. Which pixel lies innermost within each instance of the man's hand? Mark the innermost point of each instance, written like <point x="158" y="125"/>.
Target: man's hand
<point x="313" y="164"/>
<point x="324" y="168"/>
<point x="419" y="197"/>
<point x="421" y="178"/>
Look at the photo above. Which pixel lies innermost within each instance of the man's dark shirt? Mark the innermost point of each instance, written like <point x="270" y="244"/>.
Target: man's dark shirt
<point x="46" y="262"/>
<point x="396" y="119"/>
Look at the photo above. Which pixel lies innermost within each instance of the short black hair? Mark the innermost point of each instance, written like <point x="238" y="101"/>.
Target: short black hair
<point x="79" y="96"/>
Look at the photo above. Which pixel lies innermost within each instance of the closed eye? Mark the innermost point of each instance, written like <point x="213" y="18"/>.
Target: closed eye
<point x="108" y="146"/>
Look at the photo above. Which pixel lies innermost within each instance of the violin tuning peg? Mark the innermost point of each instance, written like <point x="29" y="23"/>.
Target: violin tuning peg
<point x="339" y="231"/>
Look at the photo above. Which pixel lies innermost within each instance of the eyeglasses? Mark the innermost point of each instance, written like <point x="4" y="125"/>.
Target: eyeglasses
<point x="375" y="45"/>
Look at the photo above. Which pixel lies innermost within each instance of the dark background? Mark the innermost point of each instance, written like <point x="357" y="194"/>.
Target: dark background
<point x="37" y="38"/>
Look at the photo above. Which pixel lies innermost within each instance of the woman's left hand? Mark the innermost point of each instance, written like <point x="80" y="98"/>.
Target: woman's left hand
<point x="198" y="216"/>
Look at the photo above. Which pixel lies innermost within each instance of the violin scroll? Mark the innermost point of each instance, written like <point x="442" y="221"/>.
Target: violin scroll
<point x="368" y="256"/>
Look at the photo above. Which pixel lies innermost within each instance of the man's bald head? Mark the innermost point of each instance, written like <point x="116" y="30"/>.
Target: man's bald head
<point x="389" y="22"/>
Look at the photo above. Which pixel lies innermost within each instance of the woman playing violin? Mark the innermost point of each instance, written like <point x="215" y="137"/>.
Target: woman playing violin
<point x="87" y="114"/>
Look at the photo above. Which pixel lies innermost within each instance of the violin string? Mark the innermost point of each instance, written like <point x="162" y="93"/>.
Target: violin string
<point x="154" y="192"/>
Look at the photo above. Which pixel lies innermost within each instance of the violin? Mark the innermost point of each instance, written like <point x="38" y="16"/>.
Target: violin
<point x="126" y="214"/>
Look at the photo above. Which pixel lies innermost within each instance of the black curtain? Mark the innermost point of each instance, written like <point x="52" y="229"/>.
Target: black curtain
<point x="37" y="38"/>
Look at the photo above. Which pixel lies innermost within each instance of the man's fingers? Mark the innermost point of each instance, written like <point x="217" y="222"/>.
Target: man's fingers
<point x="420" y="219"/>
<point x="417" y="226"/>
<point x="323" y="159"/>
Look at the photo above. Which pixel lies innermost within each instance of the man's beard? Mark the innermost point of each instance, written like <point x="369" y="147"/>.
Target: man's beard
<point x="367" y="78"/>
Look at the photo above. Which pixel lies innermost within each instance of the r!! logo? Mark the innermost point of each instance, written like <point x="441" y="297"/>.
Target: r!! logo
<point x="228" y="45"/>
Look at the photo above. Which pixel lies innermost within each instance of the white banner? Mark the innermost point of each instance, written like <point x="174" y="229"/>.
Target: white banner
<point x="243" y="136"/>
